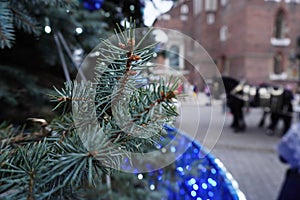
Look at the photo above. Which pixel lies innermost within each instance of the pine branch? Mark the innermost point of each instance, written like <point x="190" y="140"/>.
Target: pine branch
<point x="15" y="13"/>
<point x="62" y="3"/>
<point x="19" y="172"/>
<point x="113" y="117"/>
<point x="55" y="3"/>
<point x="23" y="20"/>
<point x="7" y="31"/>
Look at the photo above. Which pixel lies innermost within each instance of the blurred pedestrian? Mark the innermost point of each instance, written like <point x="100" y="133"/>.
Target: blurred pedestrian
<point x="195" y="90"/>
<point x="207" y="91"/>
<point x="289" y="153"/>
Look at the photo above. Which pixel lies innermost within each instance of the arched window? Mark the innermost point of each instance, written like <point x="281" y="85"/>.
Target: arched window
<point x="278" y="63"/>
<point x="174" y="57"/>
<point x="280" y="24"/>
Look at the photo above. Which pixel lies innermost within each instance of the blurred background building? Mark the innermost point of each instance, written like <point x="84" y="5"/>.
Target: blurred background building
<point x="256" y="40"/>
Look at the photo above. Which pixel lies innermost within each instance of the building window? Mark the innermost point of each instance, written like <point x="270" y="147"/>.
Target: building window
<point x="223" y="33"/>
<point x="273" y="0"/>
<point x="184" y="9"/>
<point x="211" y="5"/>
<point x="210" y="18"/>
<point x="166" y="17"/>
<point x="278" y="63"/>
<point x="174" y="57"/>
<point x="292" y="1"/>
<point x="286" y="1"/>
<point x="223" y="2"/>
<point x="183" y="18"/>
<point x="197" y="5"/>
<point x="280" y="28"/>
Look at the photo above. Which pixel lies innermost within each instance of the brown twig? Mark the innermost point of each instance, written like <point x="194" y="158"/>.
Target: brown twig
<point x="30" y="195"/>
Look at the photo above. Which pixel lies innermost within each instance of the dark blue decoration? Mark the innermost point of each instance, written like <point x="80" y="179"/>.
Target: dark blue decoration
<point x="197" y="174"/>
<point x="92" y="5"/>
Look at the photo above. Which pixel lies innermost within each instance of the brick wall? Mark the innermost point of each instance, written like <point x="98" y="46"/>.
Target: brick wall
<point x="248" y="52"/>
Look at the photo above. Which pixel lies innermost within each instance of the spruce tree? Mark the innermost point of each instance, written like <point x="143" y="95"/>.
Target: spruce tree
<point x="39" y="37"/>
<point x="113" y="117"/>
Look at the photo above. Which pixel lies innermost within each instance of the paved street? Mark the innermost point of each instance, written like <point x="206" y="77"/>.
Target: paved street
<point x="249" y="156"/>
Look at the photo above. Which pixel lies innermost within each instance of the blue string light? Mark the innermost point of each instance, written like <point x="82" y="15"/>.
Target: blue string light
<point x="211" y="178"/>
<point x="209" y="182"/>
<point x="92" y="5"/>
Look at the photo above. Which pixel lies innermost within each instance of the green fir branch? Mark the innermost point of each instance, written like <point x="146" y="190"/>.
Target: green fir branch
<point x="112" y="117"/>
<point x="55" y="3"/>
<point x="7" y="32"/>
<point x="24" y="21"/>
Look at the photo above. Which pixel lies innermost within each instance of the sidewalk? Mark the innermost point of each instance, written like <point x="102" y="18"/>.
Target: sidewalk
<point x="250" y="156"/>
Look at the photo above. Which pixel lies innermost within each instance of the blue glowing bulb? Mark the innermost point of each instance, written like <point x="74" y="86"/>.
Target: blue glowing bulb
<point x="213" y="171"/>
<point x="92" y="5"/>
<point x="195" y="187"/>
<point x="188" y="167"/>
<point x="193" y="193"/>
<point x="212" y="182"/>
<point x="180" y="169"/>
<point x="192" y="181"/>
<point x="172" y="149"/>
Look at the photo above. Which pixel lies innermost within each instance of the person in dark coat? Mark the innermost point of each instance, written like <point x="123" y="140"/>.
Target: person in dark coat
<point x="289" y="153"/>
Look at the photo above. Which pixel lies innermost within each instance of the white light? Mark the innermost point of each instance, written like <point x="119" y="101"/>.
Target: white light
<point x="131" y="7"/>
<point x="78" y="30"/>
<point x="219" y="163"/>
<point x="235" y="184"/>
<point x="47" y="29"/>
<point x="163" y="150"/>
<point x="229" y="176"/>
<point x="152" y="187"/>
<point x="241" y="195"/>
<point x="140" y="176"/>
<point x="125" y="22"/>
